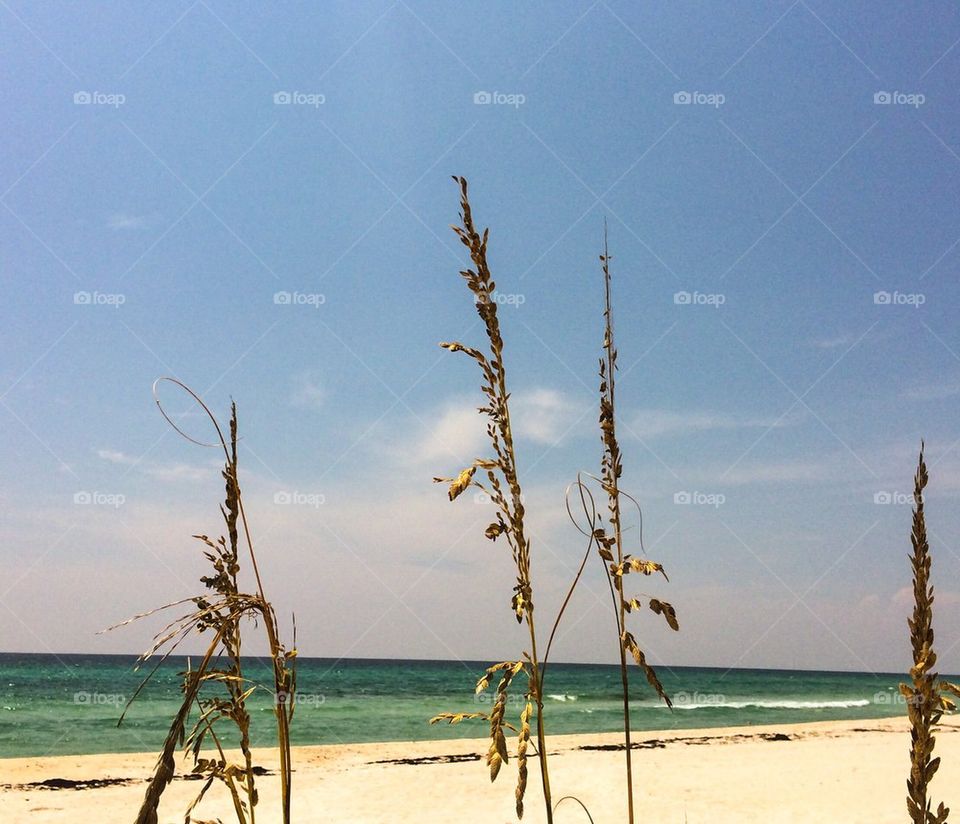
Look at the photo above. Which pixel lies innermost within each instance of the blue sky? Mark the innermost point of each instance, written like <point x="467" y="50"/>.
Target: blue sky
<point x="792" y="168"/>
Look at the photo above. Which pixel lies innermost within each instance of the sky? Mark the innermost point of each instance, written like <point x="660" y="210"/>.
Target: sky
<point x="256" y="200"/>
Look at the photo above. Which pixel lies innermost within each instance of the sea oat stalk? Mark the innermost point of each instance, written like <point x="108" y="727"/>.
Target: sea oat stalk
<point x="222" y="611"/>
<point x="609" y="537"/>
<point x="926" y="695"/>
<point x="497" y="477"/>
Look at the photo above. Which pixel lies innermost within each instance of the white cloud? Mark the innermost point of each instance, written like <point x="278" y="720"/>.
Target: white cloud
<point x="308" y="393"/>
<point x="162" y="472"/>
<point x="892" y="466"/>
<point x="545" y="415"/>
<point x="780" y="472"/>
<point x="115" y="457"/>
<point x="932" y="392"/>
<point x="121" y="221"/>
<point x="654" y="423"/>
<point x="848" y="339"/>
<point x="179" y="472"/>
<point x="845" y="339"/>
<point x="903" y="597"/>
<point x="459" y="432"/>
<point x="393" y="535"/>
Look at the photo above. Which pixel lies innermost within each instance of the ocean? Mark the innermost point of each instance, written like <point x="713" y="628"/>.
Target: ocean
<point x="70" y="704"/>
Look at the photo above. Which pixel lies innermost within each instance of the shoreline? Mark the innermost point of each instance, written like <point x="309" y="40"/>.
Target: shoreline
<point x="828" y="770"/>
<point x="660" y="732"/>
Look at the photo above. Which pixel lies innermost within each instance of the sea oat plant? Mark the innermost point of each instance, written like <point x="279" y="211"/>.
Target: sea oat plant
<point x="217" y="688"/>
<point x="607" y="534"/>
<point x="926" y="695"/>
<point x="497" y="477"/>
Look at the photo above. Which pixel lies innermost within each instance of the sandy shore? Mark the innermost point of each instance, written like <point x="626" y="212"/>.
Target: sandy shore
<point x="838" y="772"/>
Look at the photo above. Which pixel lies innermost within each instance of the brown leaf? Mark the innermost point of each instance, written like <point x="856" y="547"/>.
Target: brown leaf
<point x="631" y="644"/>
<point x="646" y="567"/>
<point x="457" y="717"/>
<point x="667" y="611"/>
<point x="495" y="761"/>
<point x="461" y="482"/>
<point x="495" y="530"/>
<point x="522" y="744"/>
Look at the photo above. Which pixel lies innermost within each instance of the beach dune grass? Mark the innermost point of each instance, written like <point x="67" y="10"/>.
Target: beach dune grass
<point x="606" y="532"/>
<point x="927" y="694"/>
<point x="497" y="477"/>
<point x="610" y="543"/>
<point x="216" y="689"/>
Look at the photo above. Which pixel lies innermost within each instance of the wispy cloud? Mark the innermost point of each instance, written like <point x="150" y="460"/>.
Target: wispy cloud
<point x="845" y="339"/>
<point x="115" y="457"/>
<point x="162" y="472"/>
<point x="179" y="472"/>
<point x="457" y="431"/>
<point x="654" y="423"/>
<point x="780" y="472"/>
<point x="904" y="597"/>
<point x="545" y="416"/>
<point x="308" y="393"/>
<point x="932" y="391"/>
<point x="122" y="221"/>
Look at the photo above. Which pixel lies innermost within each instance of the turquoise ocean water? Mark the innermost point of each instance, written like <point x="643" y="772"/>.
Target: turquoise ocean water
<point x="69" y="704"/>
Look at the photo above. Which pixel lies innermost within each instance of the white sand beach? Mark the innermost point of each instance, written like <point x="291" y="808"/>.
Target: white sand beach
<point x="838" y="772"/>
